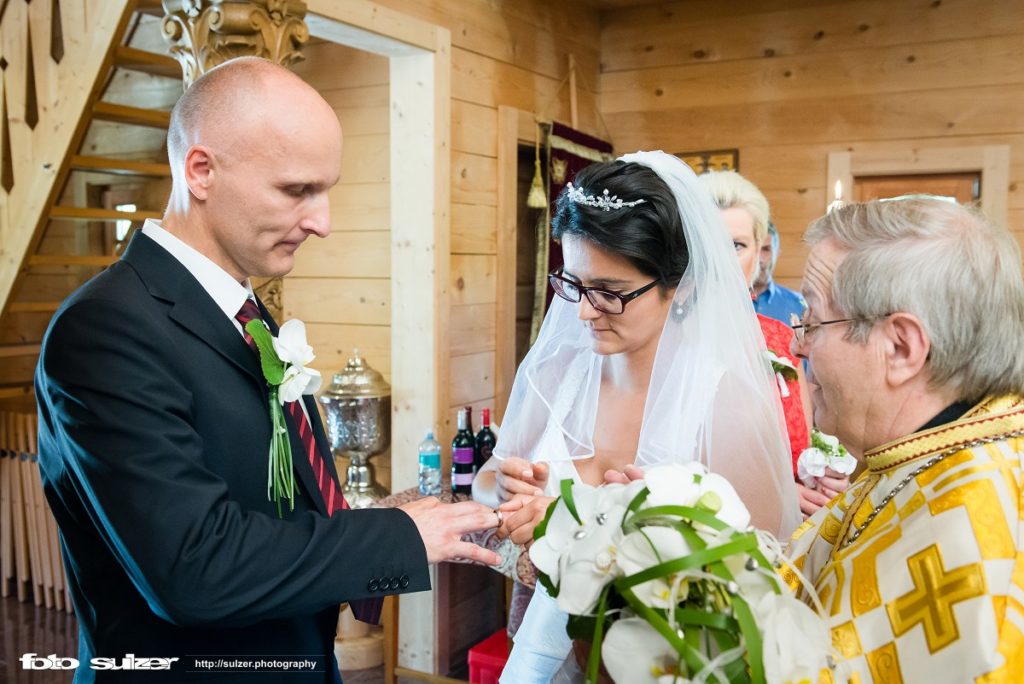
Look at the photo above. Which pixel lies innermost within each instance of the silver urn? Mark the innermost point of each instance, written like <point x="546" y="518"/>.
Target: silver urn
<point x="358" y="408"/>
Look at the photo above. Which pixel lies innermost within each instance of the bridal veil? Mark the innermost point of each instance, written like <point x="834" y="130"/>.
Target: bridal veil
<point x="712" y="396"/>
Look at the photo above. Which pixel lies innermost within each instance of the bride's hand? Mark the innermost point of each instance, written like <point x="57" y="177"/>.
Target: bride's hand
<point x="521" y="515"/>
<point x="517" y="476"/>
<point x="628" y="474"/>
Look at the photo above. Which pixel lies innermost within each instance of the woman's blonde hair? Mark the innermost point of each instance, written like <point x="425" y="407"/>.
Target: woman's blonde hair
<point x="730" y="190"/>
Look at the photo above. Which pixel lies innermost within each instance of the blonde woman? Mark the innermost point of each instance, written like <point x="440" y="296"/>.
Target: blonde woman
<point x="745" y="214"/>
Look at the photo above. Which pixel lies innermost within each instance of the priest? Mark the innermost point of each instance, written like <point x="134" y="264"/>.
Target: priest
<point x="914" y="335"/>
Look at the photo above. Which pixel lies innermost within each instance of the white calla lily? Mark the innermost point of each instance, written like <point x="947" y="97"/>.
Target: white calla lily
<point x="673" y="485"/>
<point x="715" y="489"/>
<point x="580" y="558"/>
<point x="796" y="648"/>
<point x="290" y="344"/>
<point x="646" y="548"/>
<point x="297" y="381"/>
<point x="634" y="652"/>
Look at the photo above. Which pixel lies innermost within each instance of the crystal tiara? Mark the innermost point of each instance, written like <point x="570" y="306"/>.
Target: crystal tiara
<point x="602" y="201"/>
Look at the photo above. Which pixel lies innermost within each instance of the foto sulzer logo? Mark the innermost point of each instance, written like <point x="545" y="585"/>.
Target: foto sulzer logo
<point x="34" y="661"/>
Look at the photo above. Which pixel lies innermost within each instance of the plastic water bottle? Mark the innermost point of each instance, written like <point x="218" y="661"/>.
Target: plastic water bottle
<point x="430" y="466"/>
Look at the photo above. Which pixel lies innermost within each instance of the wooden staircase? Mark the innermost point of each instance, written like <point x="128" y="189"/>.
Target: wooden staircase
<point x="55" y="236"/>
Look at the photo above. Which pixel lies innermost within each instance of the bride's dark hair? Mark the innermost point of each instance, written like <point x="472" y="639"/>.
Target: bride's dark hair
<point x="649" y="234"/>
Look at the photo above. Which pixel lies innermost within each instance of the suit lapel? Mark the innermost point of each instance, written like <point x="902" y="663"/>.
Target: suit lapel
<point x="191" y="306"/>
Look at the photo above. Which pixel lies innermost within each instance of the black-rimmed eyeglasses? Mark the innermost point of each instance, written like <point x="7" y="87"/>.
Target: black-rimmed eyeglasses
<point x="599" y="298"/>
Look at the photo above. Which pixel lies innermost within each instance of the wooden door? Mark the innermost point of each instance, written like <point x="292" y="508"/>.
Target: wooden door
<point x="964" y="187"/>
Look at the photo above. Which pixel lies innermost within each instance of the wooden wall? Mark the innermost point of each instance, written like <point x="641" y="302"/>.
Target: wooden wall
<point x="514" y="54"/>
<point x="788" y="81"/>
<point x="341" y="285"/>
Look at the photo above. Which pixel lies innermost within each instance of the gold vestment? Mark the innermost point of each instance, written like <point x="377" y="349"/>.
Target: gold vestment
<point x="932" y="588"/>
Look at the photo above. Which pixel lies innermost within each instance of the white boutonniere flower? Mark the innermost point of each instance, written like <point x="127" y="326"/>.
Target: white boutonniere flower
<point x="283" y="360"/>
<point x="825" y="452"/>
<point x="292" y="349"/>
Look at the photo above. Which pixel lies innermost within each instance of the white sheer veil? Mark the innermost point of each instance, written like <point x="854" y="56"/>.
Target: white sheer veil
<point x="712" y="396"/>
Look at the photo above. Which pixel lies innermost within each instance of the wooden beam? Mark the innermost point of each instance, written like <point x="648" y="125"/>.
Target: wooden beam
<point x="505" y="309"/>
<point x="97" y="214"/>
<point x="151" y="7"/>
<point x="11" y="391"/>
<point x="121" y="167"/>
<point x="27" y="349"/>
<point x="33" y="307"/>
<point x="135" y="116"/>
<point x="147" y="62"/>
<point x="102" y="260"/>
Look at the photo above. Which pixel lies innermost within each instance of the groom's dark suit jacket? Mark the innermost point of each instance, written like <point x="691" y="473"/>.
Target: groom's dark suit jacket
<point x="153" y="441"/>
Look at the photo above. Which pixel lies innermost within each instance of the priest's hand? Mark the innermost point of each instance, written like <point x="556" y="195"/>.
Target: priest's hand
<point x="517" y="476"/>
<point x="442" y="526"/>
<point x="521" y="515"/>
<point x="810" y="500"/>
<point x="832" y="484"/>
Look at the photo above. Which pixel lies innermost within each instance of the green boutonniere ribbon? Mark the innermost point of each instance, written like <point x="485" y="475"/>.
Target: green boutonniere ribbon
<point x="280" y="474"/>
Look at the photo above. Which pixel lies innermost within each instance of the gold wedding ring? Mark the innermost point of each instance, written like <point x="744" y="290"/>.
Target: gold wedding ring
<point x="498" y="513"/>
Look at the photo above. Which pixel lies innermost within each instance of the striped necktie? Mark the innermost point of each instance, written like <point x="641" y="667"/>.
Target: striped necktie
<point x="332" y="496"/>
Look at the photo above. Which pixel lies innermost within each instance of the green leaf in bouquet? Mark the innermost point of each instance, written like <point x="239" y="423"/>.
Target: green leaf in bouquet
<point x="690" y="655"/>
<point x="581" y="627"/>
<point x="700" y="618"/>
<point x="273" y="368"/>
<point x="752" y="637"/>
<point x="548" y="584"/>
<point x="542" y="527"/>
<point x="697" y="559"/>
<point x="594" y="661"/>
<point x="570" y="502"/>
<point x="735" y="670"/>
<point x="637" y="501"/>
<point x="686" y="512"/>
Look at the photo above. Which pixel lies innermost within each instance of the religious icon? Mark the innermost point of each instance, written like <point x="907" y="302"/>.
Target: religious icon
<point x="558" y="169"/>
<point x="712" y="160"/>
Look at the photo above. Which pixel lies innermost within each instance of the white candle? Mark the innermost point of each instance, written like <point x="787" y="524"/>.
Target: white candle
<point x="838" y="201"/>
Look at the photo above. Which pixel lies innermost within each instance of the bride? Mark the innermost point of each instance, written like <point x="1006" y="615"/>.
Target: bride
<point x="650" y="354"/>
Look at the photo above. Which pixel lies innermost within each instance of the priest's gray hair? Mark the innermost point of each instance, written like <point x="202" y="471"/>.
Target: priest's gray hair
<point x="947" y="264"/>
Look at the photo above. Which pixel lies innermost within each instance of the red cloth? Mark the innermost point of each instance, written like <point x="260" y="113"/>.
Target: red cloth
<point x="777" y="336"/>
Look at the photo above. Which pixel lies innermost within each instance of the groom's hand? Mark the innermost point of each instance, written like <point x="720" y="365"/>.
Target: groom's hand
<point x="442" y="526"/>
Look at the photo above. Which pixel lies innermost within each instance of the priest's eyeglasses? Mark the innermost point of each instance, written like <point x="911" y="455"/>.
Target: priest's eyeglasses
<point x="601" y="299"/>
<point x="802" y="329"/>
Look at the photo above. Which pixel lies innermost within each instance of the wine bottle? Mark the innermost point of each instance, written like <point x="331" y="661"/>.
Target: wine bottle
<point x="463" y="447"/>
<point x="485" y="439"/>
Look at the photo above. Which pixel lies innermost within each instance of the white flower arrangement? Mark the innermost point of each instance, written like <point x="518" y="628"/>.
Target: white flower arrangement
<point x="669" y="583"/>
<point x="825" y="452"/>
<point x="283" y="360"/>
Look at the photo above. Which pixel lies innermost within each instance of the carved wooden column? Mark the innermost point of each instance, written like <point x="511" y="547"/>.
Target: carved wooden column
<point x="205" y="33"/>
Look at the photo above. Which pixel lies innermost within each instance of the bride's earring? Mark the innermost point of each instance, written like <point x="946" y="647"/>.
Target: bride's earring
<point x="678" y="310"/>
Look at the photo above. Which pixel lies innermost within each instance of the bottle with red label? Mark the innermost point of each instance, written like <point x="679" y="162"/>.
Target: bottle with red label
<point x="485" y="439"/>
<point x="463" y="450"/>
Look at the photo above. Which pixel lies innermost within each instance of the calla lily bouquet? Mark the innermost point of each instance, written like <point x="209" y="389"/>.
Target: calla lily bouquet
<point x="283" y="360"/>
<point x="666" y="579"/>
